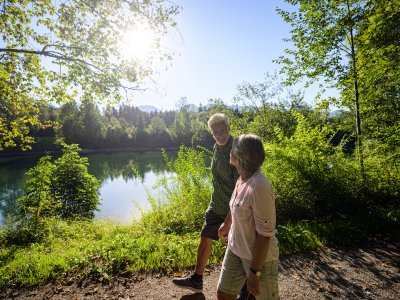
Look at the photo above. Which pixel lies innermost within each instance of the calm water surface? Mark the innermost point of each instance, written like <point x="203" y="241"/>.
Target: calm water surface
<point x="120" y="192"/>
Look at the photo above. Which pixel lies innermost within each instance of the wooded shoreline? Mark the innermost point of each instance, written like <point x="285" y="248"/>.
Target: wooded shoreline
<point x="89" y="151"/>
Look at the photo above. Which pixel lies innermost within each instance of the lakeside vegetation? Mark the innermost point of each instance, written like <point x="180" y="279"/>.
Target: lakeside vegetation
<point x="165" y="238"/>
<point x="336" y="177"/>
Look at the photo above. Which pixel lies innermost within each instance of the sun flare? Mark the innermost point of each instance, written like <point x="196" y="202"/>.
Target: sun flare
<point x="138" y="43"/>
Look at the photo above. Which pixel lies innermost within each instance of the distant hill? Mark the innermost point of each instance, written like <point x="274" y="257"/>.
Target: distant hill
<point x="192" y="108"/>
<point x="335" y="114"/>
<point x="195" y="108"/>
<point x="148" y="108"/>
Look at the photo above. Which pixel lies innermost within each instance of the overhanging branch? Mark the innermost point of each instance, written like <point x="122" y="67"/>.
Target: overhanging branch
<point x="52" y="54"/>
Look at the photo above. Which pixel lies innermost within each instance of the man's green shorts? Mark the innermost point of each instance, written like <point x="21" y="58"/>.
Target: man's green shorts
<point x="212" y="222"/>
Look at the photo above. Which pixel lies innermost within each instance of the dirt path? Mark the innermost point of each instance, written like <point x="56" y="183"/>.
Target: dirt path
<point x="369" y="272"/>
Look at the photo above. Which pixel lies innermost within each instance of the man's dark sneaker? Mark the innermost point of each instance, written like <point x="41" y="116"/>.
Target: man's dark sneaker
<point x="188" y="283"/>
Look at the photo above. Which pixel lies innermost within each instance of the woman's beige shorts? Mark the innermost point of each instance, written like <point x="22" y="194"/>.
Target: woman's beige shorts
<point x="234" y="273"/>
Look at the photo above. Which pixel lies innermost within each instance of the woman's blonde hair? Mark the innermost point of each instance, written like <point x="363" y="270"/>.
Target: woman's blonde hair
<point x="249" y="151"/>
<point x="216" y="118"/>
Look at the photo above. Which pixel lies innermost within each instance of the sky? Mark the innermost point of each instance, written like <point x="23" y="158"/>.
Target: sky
<point x="219" y="44"/>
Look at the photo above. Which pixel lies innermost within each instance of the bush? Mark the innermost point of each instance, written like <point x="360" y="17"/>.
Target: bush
<point x="73" y="188"/>
<point x="63" y="189"/>
<point x="36" y="204"/>
<point x="182" y="196"/>
<point x="314" y="179"/>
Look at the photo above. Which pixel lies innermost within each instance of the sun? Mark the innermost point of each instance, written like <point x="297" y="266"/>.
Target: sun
<point x="138" y="43"/>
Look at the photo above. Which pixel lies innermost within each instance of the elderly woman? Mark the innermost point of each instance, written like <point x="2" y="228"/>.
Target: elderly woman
<point x="252" y="251"/>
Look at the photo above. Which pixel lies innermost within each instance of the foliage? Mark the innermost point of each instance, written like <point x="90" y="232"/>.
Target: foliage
<point x="265" y="110"/>
<point x="37" y="203"/>
<point x="305" y="170"/>
<point x="313" y="178"/>
<point x="324" y="35"/>
<point x="321" y="33"/>
<point x="73" y="188"/>
<point x="181" y="199"/>
<point x="63" y="189"/>
<point x="379" y="77"/>
<point x="51" y="51"/>
<point x="353" y="46"/>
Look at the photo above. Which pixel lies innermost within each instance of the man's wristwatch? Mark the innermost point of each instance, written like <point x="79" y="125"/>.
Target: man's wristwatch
<point x="255" y="272"/>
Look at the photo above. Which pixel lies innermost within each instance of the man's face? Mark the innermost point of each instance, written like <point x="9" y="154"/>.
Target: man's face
<point x="220" y="133"/>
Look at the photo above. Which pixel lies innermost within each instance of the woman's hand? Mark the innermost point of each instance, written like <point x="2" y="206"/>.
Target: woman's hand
<point x="224" y="230"/>
<point x="225" y="227"/>
<point x="253" y="284"/>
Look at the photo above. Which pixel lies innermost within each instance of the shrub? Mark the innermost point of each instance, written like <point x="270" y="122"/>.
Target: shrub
<point x="73" y="188"/>
<point x="314" y="179"/>
<point x="63" y="189"/>
<point x="182" y="196"/>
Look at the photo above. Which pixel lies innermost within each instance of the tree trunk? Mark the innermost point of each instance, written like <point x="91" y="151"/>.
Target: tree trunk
<point x="356" y="101"/>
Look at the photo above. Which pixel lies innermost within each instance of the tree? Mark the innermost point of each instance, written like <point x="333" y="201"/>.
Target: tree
<point x="59" y="51"/>
<point x="93" y="127"/>
<point x="325" y="36"/>
<point x="37" y="203"/>
<point x="60" y="189"/>
<point x="157" y="125"/>
<point x="182" y="127"/>
<point x="380" y="76"/>
<point x="75" y="191"/>
<point x="71" y="123"/>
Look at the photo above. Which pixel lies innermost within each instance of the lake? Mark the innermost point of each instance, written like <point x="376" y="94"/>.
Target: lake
<point x="120" y="190"/>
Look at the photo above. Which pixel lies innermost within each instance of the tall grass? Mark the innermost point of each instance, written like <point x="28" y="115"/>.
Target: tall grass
<point x="97" y="250"/>
<point x="179" y="199"/>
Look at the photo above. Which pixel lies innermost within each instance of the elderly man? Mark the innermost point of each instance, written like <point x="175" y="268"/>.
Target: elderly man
<point x="224" y="177"/>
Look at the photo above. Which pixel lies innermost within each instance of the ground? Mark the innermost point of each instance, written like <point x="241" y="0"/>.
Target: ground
<point x="370" y="271"/>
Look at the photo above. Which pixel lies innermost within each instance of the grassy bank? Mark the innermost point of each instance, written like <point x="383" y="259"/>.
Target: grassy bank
<point x="100" y="250"/>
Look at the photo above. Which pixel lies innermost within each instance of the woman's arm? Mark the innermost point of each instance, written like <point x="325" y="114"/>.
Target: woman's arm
<point x="259" y="255"/>
<point x="264" y="217"/>
<point x="225" y="227"/>
<point x="260" y="251"/>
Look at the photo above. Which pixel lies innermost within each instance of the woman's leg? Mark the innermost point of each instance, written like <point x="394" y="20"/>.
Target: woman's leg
<point x="232" y="276"/>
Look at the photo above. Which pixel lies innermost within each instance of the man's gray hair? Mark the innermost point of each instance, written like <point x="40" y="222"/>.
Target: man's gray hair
<point x="249" y="151"/>
<point x="216" y="118"/>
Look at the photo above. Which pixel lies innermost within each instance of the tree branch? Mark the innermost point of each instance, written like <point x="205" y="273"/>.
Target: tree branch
<point x="344" y="48"/>
<point x="347" y="87"/>
<point x="102" y="17"/>
<point x="51" y="54"/>
<point x="62" y="46"/>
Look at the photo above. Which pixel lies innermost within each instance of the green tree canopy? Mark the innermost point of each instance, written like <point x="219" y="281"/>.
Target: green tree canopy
<point x="59" y="51"/>
<point x="353" y="46"/>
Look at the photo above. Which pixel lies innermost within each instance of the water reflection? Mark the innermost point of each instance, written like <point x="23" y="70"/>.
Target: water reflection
<point x="116" y="165"/>
<point x="119" y="185"/>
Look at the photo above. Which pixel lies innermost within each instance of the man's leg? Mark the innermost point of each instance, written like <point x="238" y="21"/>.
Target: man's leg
<point x="209" y="232"/>
<point x="194" y="281"/>
<point x="225" y="296"/>
<point x="203" y="253"/>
